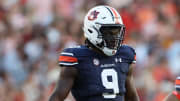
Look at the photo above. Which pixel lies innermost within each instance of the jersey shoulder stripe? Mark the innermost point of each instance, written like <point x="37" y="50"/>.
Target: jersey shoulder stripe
<point x="68" y="58"/>
<point x="177" y="83"/>
<point x="67" y="64"/>
<point x="66" y="53"/>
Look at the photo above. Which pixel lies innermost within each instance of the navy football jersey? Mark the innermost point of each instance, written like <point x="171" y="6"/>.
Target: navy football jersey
<point x="100" y="78"/>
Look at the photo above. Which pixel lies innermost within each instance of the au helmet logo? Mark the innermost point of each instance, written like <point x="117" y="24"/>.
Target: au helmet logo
<point x="93" y="15"/>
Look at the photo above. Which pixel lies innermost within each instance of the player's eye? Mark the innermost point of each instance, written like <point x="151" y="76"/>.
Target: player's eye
<point x="112" y="30"/>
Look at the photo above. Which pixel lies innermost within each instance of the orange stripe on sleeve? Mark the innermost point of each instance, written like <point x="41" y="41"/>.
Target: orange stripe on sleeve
<point x="67" y="59"/>
<point x="135" y="57"/>
<point x="116" y="16"/>
<point x="177" y="82"/>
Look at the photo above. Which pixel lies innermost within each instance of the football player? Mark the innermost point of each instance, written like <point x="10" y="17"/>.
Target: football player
<point x="175" y="95"/>
<point x="101" y="69"/>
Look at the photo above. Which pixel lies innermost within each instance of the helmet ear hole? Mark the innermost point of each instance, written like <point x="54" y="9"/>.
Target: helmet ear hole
<point x="90" y="31"/>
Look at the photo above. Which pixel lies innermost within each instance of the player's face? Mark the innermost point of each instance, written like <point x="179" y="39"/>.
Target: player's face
<point x="111" y="35"/>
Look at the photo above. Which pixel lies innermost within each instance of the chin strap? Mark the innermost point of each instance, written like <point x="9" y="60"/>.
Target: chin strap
<point x="109" y="52"/>
<point x="176" y="94"/>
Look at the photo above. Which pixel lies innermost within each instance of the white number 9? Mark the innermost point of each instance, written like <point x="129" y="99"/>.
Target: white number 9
<point x="110" y="84"/>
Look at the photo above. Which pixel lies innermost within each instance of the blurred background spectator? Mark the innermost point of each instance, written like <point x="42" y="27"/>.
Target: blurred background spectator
<point x="33" y="33"/>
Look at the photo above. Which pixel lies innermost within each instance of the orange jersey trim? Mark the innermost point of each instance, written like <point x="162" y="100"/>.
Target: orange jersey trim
<point x="177" y="82"/>
<point x="116" y="16"/>
<point x="67" y="59"/>
<point x="135" y="57"/>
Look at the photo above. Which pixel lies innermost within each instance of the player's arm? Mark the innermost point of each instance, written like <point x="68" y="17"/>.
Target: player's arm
<point x="131" y="94"/>
<point x="175" y="95"/>
<point x="171" y="97"/>
<point x="65" y="83"/>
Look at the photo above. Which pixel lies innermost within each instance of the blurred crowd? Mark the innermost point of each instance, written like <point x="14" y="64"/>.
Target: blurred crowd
<point x="34" y="32"/>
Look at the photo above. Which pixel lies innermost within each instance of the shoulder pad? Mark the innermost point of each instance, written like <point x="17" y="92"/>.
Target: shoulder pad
<point x="127" y="52"/>
<point x="72" y="56"/>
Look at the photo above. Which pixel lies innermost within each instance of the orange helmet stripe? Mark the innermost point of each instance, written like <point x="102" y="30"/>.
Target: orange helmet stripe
<point x="115" y="16"/>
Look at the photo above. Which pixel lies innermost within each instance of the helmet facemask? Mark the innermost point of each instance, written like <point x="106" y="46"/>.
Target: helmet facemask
<point x="112" y="35"/>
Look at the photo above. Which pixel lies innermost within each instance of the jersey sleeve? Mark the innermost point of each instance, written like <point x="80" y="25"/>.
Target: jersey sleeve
<point x="177" y="84"/>
<point x="127" y="53"/>
<point x="134" y="59"/>
<point x="67" y="58"/>
<point x="133" y="55"/>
